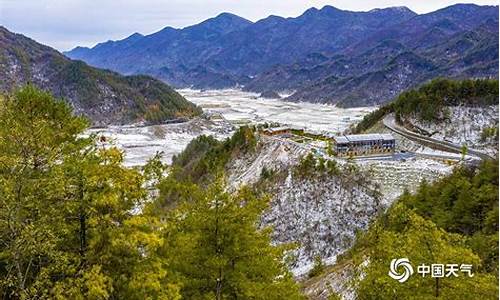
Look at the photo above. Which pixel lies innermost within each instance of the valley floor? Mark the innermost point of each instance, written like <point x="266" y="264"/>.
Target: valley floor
<point x="236" y="108"/>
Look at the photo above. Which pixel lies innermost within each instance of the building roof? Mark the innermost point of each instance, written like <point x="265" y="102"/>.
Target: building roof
<point x="387" y="136"/>
<point x="341" y="140"/>
<point x="277" y="129"/>
<point x="363" y="137"/>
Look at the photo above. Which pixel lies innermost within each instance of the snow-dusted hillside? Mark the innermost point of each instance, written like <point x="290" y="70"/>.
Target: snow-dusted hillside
<point x="272" y="153"/>
<point x="140" y="143"/>
<point x="393" y="177"/>
<point x="464" y="125"/>
<point x="323" y="213"/>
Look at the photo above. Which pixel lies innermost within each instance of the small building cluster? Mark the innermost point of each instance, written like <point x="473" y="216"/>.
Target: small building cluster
<point x="285" y="131"/>
<point x="363" y="144"/>
<point x="277" y="131"/>
<point x="214" y="116"/>
<point x="343" y="145"/>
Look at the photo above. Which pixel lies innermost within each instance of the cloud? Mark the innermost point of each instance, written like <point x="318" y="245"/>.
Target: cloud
<point x="64" y="24"/>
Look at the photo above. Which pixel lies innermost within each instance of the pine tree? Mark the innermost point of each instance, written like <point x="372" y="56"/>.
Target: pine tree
<point x="67" y="228"/>
<point x="36" y="134"/>
<point x="404" y="234"/>
<point x="219" y="253"/>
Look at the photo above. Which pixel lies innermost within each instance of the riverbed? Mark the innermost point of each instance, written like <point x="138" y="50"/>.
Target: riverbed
<point x="243" y="107"/>
<point x="237" y="108"/>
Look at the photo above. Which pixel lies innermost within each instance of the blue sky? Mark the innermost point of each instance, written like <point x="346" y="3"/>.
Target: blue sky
<point x="64" y="24"/>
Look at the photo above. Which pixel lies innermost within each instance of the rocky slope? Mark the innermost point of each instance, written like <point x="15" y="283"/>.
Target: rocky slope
<point x="322" y="213"/>
<point x="316" y="201"/>
<point x="459" y="112"/>
<point x="475" y="127"/>
<point x="103" y="96"/>
<point x="326" y="55"/>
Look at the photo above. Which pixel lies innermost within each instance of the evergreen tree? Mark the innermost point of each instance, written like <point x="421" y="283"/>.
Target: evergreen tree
<point x="404" y="234"/>
<point x="218" y="252"/>
<point x="67" y="228"/>
<point x="36" y="134"/>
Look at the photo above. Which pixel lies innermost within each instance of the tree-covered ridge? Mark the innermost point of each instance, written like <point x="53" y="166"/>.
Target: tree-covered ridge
<point x="104" y="96"/>
<point x="153" y="101"/>
<point x="76" y="224"/>
<point x="452" y="221"/>
<point x="466" y="202"/>
<point x="205" y="157"/>
<point x="220" y="250"/>
<point x="430" y="101"/>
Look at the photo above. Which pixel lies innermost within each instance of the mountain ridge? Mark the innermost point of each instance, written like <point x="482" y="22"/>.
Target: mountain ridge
<point x="102" y="95"/>
<point x="319" y="44"/>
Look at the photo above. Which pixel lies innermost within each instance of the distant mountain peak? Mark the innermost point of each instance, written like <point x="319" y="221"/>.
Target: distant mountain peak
<point x="228" y="17"/>
<point x="462" y="7"/>
<point x="311" y="10"/>
<point x="402" y="9"/>
<point x="135" y="35"/>
<point x="330" y="9"/>
<point x="325" y="10"/>
<point x="222" y="23"/>
<point x="275" y="17"/>
<point x="79" y="48"/>
<point x="323" y="50"/>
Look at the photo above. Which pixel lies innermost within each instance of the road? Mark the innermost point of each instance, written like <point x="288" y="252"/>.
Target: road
<point x="390" y="122"/>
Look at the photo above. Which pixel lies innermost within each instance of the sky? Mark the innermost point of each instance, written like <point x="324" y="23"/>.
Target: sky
<point x="65" y="24"/>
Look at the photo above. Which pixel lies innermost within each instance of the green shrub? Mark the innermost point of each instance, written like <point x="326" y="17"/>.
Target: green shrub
<point x="318" y="267"/>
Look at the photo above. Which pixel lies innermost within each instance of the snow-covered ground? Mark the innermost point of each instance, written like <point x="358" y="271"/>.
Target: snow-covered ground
<point x="405" y="144"/>
<point x="244" y="107"/>
<point x="464" y="126"/>
<point x="142" y="142"/>
<point x="393" y="177"/>
<point x="323" y="214"/>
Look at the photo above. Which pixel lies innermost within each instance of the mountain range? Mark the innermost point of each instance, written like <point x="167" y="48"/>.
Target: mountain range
<point x="324" y="55"/>
<point x="105" y="97"/>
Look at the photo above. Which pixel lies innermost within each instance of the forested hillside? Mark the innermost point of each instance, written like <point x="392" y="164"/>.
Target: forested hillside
<point x="453" y="221"/>
<point x="315" y="204"/>
<point x="103" y="96"/>
<point x="76" y="224"/>
<point x="464" y="113"/>
<point x="431" y="101"/>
